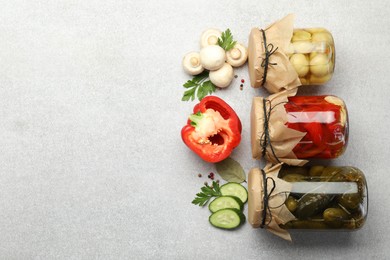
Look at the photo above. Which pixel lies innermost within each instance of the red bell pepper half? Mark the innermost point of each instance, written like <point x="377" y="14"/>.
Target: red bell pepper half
<point x="213" y="130"/>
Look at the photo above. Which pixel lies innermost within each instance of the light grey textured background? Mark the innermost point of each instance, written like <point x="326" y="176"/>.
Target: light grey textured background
<point x="92" y="165"/>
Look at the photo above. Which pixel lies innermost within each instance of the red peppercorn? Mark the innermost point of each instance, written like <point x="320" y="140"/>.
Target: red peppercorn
<point x="242" y="81"/>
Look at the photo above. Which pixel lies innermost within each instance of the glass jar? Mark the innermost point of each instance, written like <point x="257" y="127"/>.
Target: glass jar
<point x="326" y="197"/>
<point x="286" y="128"/>
<point x="316" y="197"/>
<point x="312" y="54"/>
<point x="324" y="119"/>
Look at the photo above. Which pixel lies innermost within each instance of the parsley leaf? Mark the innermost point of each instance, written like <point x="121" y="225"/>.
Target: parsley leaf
<point x="207" y="193"/>
<point x="198" y="87"/>
<point x="226" y="40"/>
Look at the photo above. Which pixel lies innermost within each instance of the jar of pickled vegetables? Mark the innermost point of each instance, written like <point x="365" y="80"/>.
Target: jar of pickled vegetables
<point x="281" y="57"/>
<point x="298" y="127"/>
<point x="315" y="198"/>
<point x="312" y="54"/>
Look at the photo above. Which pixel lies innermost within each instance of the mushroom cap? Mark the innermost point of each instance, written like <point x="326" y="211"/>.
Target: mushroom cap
<point x="210" y="37"/>
<point x="301" y="35"/>
<point x="322" y="37"/>
<point x="300" y="63"/>
<point x="320" y="65"/>
<point x="303" y="47"/>
<point x="212" y="57"/>
<point x="191" y="63"/>
<point x="222" y="77"/>
<point x="237" y="56"/>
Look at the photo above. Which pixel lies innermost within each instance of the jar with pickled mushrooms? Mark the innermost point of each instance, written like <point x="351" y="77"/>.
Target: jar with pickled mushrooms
<point x="312" y="54"/>
<point x="314" y="198"/>
<point x="281" y="57"/>
<point x="298" y="127"/>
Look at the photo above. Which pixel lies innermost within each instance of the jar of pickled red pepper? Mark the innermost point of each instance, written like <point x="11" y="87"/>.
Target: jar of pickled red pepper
<point x="290" y="128"/>
<point x="281" y="57"/>
<point x="314" y="198"/>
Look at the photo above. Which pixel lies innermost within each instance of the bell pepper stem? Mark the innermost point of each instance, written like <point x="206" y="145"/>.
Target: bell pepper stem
<point x="196" y="118"/>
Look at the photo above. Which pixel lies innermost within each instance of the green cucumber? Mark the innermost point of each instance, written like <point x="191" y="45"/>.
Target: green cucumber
<point x="234" y="189"/>
<point x="227" y="218"/>
<point x="226" y="202"/>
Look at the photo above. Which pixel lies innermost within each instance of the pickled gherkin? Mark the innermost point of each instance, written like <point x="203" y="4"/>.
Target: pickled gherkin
<point x="325" y="197"/>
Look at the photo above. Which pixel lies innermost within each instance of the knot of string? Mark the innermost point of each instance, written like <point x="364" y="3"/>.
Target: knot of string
<point x="269" y="50"/>
<point x="265" y="140"/>
<point x="266" y="197"/>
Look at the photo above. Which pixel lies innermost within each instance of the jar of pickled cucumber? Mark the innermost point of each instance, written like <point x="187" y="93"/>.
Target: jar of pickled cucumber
<point x="298" y="127"/>
<point x="312" y="54"/>
<point x="316" y="198"/>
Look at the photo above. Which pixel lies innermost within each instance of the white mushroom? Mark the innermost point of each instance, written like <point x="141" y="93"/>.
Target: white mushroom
<point x="222" y="77"/>
<point x="319" y="65"/>
<point x="301" y="35"/>
<point x="300" y="63"/>
<point x="304" y="81"/>
<point x="315" y="30"/>
<point x="210" y="37"/>
<point x="237" y="56"/>
<point x="303" y="47"/>
<point x="322" y="37"/>
<point x="191" y="63"/>
<point x="212" y="57"/>
<point x="314" y="80"/>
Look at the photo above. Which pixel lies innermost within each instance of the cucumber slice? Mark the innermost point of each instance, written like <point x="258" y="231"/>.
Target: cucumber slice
<point x="226" y="202"/>
<point x="234" y="189"/>
<point x="227" y="218"/>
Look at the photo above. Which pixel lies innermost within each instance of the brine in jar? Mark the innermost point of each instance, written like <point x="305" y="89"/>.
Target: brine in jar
<point x="325" y="121"/>
<point x="329" y="197"/>
<point x="292" y="129"/>
<point x="316" y="197"/>
<point x="312" y="54"/>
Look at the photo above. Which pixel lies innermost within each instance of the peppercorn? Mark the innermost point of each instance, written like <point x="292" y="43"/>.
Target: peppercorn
<point x="199" y="175"/>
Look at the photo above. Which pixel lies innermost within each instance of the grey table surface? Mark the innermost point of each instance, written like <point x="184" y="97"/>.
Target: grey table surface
<point x="92" y="165"/>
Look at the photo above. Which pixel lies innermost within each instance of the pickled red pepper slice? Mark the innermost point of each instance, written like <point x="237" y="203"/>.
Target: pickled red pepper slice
<point x="323" y="118"/>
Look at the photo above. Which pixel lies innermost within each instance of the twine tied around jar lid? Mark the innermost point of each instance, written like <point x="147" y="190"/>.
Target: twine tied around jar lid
<point x="269" y="50"/>
<point x="271" y="138"/>
<point x="265" y="140"/>
<point x="266" y="200"/>
<point x="266" y="197"/>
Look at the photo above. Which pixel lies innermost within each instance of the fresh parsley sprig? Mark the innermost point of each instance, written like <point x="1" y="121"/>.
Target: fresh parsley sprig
<point x="226" y="40"/>
<point x="207" y="193"/>
<point x="198" y="87"/>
